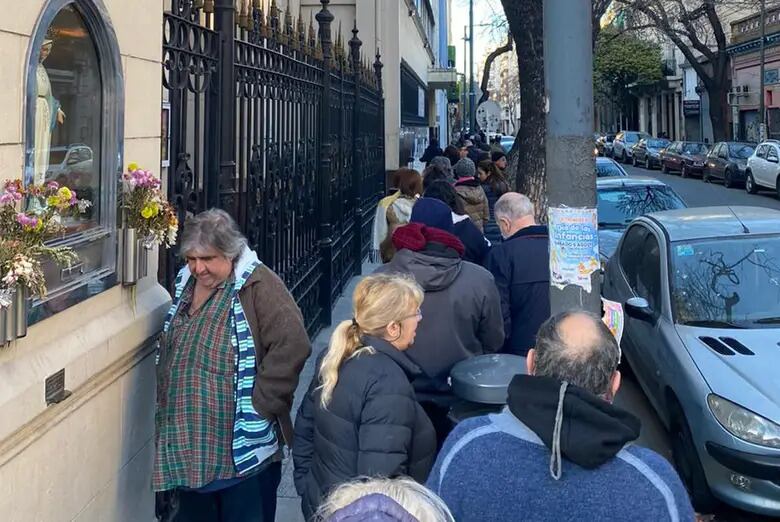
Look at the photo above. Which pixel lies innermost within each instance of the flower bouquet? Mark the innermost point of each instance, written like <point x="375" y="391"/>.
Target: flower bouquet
<point x="29" y="216"/>
<point x="146" y="210"/>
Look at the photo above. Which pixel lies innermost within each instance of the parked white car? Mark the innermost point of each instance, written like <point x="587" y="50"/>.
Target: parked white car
<point x="624" y="141"/>
<point x="763" y="168"/>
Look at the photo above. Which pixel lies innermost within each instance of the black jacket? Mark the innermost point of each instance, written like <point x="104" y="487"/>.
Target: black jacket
<point x="372" y="426"/>
<point x="492" y="232"/>
<point x="430" y="153"/>
<point x="461" y="315"/>
<point x="476" y="245"/>
<point x="521" y="268"/>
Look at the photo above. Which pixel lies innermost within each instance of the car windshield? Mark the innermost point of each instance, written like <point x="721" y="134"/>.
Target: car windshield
<point x="657" y="144"/>
<point x="606" y="169"/>
<point x="618" y="206"/>
<point x="733" y="281"/>
<point x="741" y="151"/>
<point x="694" y="148"/>
<point x="631" y="137"/>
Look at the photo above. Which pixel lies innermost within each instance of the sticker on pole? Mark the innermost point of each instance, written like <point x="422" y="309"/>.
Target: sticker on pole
<point x="574" y="246"/>
<point x="613" y="317"/>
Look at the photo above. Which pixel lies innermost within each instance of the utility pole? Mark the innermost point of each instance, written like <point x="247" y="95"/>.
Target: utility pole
<point x="472" y="93"/>
<point x="761" y="108"/>
<point x="466" y="112"/>
<point x="571" y="176"/>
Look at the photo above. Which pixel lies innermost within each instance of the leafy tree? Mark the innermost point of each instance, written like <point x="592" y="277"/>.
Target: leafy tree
<point x="697" y="29"/>
<point x="623" y="60"/>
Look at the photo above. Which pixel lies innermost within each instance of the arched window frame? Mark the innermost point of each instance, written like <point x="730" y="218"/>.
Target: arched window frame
<point x="98" y="24"/>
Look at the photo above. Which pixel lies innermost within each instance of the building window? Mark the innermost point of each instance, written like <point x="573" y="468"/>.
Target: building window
<point x="73" y="136"/>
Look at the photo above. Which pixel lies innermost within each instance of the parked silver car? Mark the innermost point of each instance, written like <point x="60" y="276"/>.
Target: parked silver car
<point x="701" y="292"/>
<point x="624" y="141"/>
<point x="621" y="199"/>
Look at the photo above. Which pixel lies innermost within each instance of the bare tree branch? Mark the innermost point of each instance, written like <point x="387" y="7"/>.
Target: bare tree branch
<point x="488" y="64"/>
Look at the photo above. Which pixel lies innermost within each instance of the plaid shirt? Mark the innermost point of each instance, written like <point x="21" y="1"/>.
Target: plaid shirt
<point x="196" y="403"/>
<point x="196" y="455"/>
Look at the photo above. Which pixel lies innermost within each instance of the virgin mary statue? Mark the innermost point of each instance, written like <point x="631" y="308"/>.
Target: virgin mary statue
<point x="47" y="115"/>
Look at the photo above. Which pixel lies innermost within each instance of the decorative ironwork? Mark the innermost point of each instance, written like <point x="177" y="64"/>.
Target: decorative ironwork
<point x="304" y="165"/>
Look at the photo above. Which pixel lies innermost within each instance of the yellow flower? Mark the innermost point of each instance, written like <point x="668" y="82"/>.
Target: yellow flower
<point x="52" y="201"/>
<point x="150" y="210"/>
<point x="64" y="194"/>
<point x="132" y="166"/>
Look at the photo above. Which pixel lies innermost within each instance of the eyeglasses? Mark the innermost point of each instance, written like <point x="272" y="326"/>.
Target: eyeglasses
<point x="418" y="315"/>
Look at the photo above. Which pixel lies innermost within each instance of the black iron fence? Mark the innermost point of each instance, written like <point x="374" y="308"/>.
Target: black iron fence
<point x="283" y="128"/>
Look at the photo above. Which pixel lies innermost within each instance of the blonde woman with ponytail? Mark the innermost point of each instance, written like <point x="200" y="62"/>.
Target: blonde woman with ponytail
<point x="360" y="416"/>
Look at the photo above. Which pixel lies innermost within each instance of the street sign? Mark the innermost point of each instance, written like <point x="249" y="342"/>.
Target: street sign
<point x="691" y="107"/>
<point x="489" y="116"/>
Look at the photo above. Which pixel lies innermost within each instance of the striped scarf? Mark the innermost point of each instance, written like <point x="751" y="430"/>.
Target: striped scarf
<point x="254" y="438"/>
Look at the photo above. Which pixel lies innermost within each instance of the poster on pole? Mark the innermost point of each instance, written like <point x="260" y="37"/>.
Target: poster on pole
<point x="574" y="246"/>
<point x="613" y="317"/>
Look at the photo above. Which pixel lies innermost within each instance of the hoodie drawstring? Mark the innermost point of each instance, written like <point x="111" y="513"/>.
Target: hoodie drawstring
<point x="555" y="459"/>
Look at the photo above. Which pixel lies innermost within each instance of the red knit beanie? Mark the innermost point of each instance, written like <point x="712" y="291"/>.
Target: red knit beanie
<point x="415" y="237"/>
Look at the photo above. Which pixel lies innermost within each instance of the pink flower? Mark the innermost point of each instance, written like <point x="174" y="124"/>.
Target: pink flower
<point x="52" y="185"/>
<point x="26" y="221"/>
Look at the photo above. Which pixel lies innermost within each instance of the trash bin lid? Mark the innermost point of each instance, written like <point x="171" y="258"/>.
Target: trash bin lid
<point x="484" y="379"/>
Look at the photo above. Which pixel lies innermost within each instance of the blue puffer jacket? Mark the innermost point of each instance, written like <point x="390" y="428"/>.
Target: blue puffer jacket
<point x="521" y="268"/>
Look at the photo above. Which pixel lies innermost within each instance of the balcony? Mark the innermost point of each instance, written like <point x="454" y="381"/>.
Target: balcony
<point x="441" y="78"/>
<point x="749" y="28"/>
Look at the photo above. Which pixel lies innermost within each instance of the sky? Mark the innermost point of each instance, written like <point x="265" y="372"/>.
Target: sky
<point x="485" y="38"/>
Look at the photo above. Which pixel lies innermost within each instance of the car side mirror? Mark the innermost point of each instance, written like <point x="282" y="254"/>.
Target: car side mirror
<point x="772" y="159"/>
<point x="639" y="308"/>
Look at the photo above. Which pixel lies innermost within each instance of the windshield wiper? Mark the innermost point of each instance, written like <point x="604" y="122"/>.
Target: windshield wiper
<point x="604" y="224"/>
<point x="767" y="320"/>
<point x="711" y="323"/>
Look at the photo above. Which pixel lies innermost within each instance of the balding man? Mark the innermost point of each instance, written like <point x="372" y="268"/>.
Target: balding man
<point x="520" y="267"/>
<point x="560" y="450"/>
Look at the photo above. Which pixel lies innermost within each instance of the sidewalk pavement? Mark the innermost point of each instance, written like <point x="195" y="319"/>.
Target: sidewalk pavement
<point x="288" y="508"/>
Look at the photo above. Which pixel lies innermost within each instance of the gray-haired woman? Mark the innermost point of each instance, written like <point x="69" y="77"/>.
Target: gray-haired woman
<point x="233" y="346"/>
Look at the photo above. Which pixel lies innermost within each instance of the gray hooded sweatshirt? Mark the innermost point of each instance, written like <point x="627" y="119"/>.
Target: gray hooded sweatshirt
<point x="461" y="314"/>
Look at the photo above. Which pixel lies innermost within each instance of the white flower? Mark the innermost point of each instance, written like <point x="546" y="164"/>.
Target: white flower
<point x="6" y="297"/>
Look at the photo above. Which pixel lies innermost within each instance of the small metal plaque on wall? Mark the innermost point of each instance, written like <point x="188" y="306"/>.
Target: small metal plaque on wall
<point x="55" y="388"/>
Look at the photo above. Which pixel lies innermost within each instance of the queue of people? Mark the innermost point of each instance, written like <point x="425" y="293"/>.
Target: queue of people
<point x="372" y="439"/>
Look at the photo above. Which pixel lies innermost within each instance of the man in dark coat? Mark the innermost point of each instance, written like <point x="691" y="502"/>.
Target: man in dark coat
<point x="431" y="151"/>
<point x="521" y="268"/>
<point x="461" y="311"/>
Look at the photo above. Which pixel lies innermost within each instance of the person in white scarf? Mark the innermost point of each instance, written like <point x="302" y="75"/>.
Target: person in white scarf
<point x="395" y="209"/>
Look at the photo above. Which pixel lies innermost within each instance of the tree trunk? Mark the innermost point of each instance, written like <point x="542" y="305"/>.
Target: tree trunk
<point x="486" y="69"/>
<point x="526" y="159"/>
<point x="719" y="110"/>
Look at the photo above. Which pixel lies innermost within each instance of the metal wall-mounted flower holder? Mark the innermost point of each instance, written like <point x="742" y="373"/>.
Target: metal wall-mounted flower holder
<point x="13" y="318"/>
<point x="134" y="256"/>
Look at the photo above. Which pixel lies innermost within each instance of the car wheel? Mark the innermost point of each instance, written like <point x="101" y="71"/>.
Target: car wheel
<point x="633" y="161"/>
<point x="777" y="187"/>
<point x="664" y="168"/>
<point x="683" y="172"/>
<point x="728" y="180"/>
<point x="750" y="184"/>
<point x="705" y="176"/>
<point x="686" y="460"/>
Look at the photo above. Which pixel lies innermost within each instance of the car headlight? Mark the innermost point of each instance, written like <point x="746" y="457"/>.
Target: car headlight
<point x="744" y="424"/>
